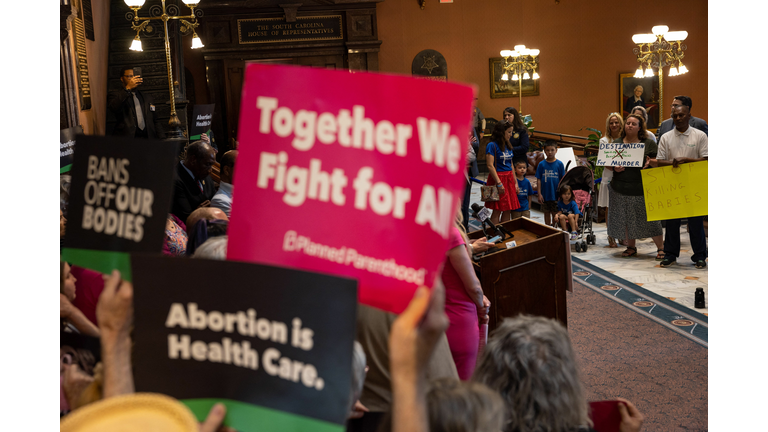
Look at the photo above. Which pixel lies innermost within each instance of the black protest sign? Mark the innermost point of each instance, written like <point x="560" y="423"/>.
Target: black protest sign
<point x="119" y="201"/>
<point x="271" y="343"/>
<point x="67" y="147"/>
<point x="202" y="116"/>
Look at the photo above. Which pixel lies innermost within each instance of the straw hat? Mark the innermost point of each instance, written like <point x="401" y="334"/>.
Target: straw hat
<point x="150" y="412"/>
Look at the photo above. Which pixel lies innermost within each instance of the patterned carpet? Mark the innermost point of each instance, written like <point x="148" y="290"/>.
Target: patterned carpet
<point x="675" y="316"/>
<point x="623" y="353"/>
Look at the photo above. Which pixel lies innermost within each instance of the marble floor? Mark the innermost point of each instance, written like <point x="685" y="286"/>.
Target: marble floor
<point x="677" y="282"/>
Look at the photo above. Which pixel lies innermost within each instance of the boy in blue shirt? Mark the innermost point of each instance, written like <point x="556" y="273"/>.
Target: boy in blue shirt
<point x="549" y="172"/>
<point x="524" y="191"/>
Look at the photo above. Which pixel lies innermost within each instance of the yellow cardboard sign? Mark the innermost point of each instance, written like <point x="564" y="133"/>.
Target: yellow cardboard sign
<point x="675" y="193"/>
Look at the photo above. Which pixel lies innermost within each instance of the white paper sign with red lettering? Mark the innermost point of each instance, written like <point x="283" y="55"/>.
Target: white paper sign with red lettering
<point x="354" y="174"/>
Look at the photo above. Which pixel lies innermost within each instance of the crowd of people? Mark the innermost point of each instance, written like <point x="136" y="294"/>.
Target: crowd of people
<point x="681" y="139"/>
<point x="430" y="367"/>
<point x="526" y="379"/>
<point x="422" y="370"/>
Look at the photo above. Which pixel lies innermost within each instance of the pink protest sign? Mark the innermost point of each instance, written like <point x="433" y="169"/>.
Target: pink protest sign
<point x="354" y="174"/>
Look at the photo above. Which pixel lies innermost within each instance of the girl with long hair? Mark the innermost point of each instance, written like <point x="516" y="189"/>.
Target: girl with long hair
<point x="498" y="158"/>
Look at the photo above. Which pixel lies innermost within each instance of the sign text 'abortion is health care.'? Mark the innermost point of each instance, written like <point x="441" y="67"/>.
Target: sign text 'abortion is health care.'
<point x="67" y="147"/>
<point x="118" y="201"/>
<point x="202" y="117"/>
<point x="621" y="154"/>
<point x="273" y="344"/>
<point x="357" y="174"/>
<point x="675" y="193"/>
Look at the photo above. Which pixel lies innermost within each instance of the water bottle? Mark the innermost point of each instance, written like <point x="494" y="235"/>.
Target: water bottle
<point x="698" y="299"/>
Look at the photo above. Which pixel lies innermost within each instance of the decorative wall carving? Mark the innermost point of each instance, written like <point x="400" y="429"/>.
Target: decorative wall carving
<point x="430" y="64"/>
<point x="219" y="32"/>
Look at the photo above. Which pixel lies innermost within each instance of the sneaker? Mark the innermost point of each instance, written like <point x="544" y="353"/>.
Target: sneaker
<point x="574" y="235"/>
<point x="666" y="262"/>
<point x="700" y="264"/>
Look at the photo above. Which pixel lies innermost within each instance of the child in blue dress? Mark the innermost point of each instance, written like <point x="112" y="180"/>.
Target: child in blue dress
<point x="568" y="211"/>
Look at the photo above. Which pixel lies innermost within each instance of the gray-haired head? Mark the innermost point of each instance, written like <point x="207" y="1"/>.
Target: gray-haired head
<point x="643" y="112"/>
<point x="214" y="248"/>
<point x="463" y="406"/>
<point x="529" y="361"/>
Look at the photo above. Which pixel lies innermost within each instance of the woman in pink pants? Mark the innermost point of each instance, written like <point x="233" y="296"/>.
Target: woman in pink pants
<point x="464" y="304"/>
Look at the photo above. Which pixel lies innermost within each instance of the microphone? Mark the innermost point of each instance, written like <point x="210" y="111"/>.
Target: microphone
<point x="500" y="230"/>
<point x="476" y="209"/>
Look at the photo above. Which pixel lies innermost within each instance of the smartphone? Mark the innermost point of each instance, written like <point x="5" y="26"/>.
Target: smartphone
<point x="137" y="71"/>
<point x="605" y="415"/>
<point x="494" y="239"/>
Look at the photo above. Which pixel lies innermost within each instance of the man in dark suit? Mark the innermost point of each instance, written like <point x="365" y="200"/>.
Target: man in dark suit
<point x="193" y="186"/>
<point x="134" y="111"/>
<point x="694" y="122"/>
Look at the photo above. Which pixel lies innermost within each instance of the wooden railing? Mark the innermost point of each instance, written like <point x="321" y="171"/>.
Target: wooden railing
<point x="578" y="144"/>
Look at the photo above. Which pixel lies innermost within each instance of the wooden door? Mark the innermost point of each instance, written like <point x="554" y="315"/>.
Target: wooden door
<point x="234" y="72"/>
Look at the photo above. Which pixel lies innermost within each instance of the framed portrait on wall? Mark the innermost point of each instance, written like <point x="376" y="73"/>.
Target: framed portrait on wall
<point x="640" y="91"/>
<point x="508" y="89"/>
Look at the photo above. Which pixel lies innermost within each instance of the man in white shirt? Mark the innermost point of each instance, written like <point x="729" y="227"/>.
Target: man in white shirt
<point x="223" y="198"/>
<point x="682" y="145"/>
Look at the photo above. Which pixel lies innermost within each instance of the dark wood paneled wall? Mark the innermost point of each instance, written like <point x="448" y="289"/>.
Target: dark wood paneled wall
<point x="226" y="57"/>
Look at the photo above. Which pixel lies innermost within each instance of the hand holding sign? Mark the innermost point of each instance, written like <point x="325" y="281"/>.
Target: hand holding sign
<point x="213" y="423"/>
<point x="415" y="332"/>
<point x="677" y="161"/>
<point x="114" y="310"/>
<point x="411" y="342"/>
<point x="631" y="418"/>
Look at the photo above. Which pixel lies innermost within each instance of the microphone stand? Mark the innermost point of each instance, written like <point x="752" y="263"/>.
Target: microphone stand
<point x="500" y="230"/>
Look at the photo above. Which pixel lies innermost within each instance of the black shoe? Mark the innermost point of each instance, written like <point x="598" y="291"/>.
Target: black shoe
<point x="700" y="264"/>
<point x="666" y="262"/>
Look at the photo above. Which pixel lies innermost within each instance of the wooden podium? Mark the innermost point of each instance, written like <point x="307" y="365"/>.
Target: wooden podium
<point x="530" y="278"/>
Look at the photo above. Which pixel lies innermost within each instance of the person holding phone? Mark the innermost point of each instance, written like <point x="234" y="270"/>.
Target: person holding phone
<point x="134" y="111"/>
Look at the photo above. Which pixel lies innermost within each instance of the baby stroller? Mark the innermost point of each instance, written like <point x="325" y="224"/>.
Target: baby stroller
<point x="582" y="182"/>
